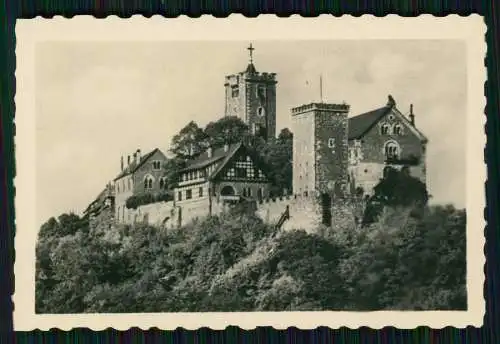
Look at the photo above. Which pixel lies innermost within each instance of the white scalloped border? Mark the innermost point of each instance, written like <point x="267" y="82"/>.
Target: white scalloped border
<point x="238" y="27"/>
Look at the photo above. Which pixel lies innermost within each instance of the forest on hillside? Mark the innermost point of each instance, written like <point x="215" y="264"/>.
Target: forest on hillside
<point x="406" y="256"/>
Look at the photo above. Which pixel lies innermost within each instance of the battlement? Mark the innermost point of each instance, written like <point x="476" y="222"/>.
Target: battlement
<point x="260" y="77"/>
<point x="344" y="108"/>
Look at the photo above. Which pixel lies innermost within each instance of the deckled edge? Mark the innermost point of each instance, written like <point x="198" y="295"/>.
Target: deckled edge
<point x="229" y="315"/>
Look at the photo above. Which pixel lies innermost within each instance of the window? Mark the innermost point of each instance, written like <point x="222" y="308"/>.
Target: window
<point x="247" y="192"/>
<point x="148" y="183"/>
<point x="331" y="143"/>
<point x="261" y="91"/>
<point x="162" y="183"/>
<point x="189" y="194"/>
<point x="391" y="117"/>
<point x="156" y="165"/>
<point x="231" y="173"/>
<point x="391" y="150"/>
<point x="179" y="196"/>
<point x="241" y="172"/>
<point x="398" y="129"/>
<point x="184" y="177"/>
<point x="260" y="111"/>
<point x="200" y="192"/>
<point x="384" y="129"/>
<point x="235" y="92"/>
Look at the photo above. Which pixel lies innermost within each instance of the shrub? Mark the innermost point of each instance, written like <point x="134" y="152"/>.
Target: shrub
<point x="135" y="201"/>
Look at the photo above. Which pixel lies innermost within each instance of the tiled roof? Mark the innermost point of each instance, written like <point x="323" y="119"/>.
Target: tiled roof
<point x="360" y="124"/>
<point x="133" y="166"/>
<point x="203" y="160"/>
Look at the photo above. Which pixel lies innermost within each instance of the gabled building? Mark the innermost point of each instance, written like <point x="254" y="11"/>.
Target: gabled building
<point x="228" y="173"/>
<point x="384" y="138"/>
<point x="142" y="174"/>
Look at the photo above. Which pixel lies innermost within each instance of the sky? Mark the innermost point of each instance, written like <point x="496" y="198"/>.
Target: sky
<point x="97" y="101"/>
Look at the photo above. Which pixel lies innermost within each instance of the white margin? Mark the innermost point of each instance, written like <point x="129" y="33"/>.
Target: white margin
<point x="236" y="27"/>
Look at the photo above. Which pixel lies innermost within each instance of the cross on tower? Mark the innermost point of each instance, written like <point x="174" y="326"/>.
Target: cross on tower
<point x="251" y="49"/>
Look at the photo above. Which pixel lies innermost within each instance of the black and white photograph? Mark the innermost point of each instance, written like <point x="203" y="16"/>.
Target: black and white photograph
<point x="252" y="174"/>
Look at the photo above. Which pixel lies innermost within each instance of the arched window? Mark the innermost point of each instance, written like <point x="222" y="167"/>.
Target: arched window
<point x="227" y="190"/>
<point x="397" y="130"/>
<point x="260" y="111"/>
<point x="148" y="182"/>
<point x="391" y="150"/>
<point x="384" y="129"/>
<point x="162" y="183"/>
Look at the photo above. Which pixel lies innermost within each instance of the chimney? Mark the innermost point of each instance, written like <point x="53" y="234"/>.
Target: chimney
<point x="209" y="152"/>
<point x="121" y="163"/>
<point x="412" y="115"/>
<point x="128" y="160"/>
<point x="226" y="147"/>
<point x="390" y="101"/>
<point x="138" y="156"/>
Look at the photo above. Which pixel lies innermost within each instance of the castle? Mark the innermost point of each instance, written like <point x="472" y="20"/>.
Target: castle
<point x="336" y="158"/>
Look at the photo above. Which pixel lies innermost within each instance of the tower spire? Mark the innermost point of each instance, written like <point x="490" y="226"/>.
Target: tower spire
<point x="250" y="50"/>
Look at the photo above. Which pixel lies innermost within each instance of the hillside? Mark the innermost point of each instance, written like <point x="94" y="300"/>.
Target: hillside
<point x="404" y="260"/>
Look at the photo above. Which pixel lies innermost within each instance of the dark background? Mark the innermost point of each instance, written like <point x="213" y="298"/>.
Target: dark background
<point x="12" y="9"/>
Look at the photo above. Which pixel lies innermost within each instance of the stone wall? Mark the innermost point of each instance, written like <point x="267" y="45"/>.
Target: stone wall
<point x="331" y="157"/>
<point x="303" y="153"/>
<point x="304" y="212"/>
<point x="162" y="214"/>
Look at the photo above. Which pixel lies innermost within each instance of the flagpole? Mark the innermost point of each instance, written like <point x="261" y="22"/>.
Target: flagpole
<point x="321" y="88"/>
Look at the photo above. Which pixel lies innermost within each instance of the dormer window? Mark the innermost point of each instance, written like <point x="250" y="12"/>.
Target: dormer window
<point x="384" y="129"/>
<point x="156" y="165"/>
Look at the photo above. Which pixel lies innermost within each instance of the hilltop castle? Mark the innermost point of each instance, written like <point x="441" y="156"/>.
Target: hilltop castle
<point x="335" y="158"/>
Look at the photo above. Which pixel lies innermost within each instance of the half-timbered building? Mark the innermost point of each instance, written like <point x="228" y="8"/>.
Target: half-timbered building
<point x="226" y="174"/>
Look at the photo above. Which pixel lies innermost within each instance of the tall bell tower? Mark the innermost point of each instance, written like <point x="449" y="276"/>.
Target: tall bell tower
<point x="251" y="96"/>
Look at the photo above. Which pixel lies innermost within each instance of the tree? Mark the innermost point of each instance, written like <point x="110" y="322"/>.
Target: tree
<point x="189" y="142"/>
<point x="396" y="188"/>
<point x="278" y="156"/>
<point x="228" y="129"/>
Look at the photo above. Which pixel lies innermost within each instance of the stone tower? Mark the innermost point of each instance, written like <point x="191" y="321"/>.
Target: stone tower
<point x="320" y="153"/>
<point x="251" y="96"/>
